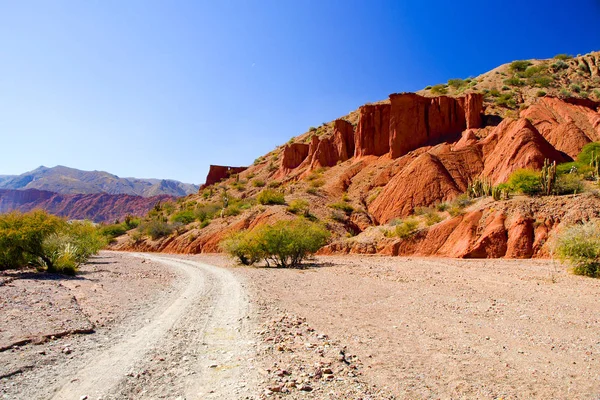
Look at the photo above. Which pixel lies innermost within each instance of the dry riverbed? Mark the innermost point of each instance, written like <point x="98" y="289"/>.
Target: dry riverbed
<point x="356" y="327"/>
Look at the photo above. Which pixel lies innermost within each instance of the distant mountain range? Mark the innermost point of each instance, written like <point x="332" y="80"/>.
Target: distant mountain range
<point x="64" y="180"/>
<point x="97" y="207"/>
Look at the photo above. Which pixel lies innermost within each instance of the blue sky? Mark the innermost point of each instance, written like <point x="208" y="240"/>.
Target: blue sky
<point x="162" y="89"/>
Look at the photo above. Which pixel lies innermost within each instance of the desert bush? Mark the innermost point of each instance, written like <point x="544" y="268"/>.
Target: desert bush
<point x="243" y="246"/>
<point x="342" y="206"/>
<point x="312" y="190"/>
<point x="576" y="88"/>
<point x="113" y="231"/>
<point x="569" y="184"/>
<point x="563" y="57"/>
<point x="457" y="83"/>
<point x="439" y="89"/>
<point x="299" y="207"/>
<point x="564" y="93"/>
<point x="525" y="181"/>
<point x="442" y="206"/>
<point x="184" y="217"/>
<point x="432" y="218"/>
<point x="514" y="81"/>
<point x="285" y="244"/>
<point x="540" y="93"/>
<point x="46" y="242"/>
<point x="505" y="100"/>
<point x="317" y="183"/>
<point x="207" y="211"/>
<point x="542" y="81"/>
<point x="274" y="184"/>
<point x="560" y="64"/>
<point x="588" y="151"/>
<point x="270" y="197"/>
<point x="406" y="228"/>
<point x="156" y="229"/>
<point x="258" y="183"/>
<point x="579" y="245"/>
<point x="519" y="66"/>
<point x="533" y="71"/>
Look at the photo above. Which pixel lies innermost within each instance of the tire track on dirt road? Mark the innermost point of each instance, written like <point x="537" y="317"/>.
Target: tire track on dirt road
<point x="197" y="347"/>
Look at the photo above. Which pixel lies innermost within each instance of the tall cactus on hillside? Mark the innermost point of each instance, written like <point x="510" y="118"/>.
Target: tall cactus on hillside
<point x="548" y="178"/>
<point x="595" y="164"/>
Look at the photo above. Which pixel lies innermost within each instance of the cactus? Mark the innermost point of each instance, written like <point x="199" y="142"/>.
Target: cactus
<point x="548" y="178"/>
<point x="496" y="193"/>
<point x="479" y="187"/>
<point x="595" y="164"/>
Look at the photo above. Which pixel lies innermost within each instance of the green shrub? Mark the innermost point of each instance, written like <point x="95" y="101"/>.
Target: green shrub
<point x="456" y="83"/>
<point x="232" y="210"/>
<point x="540" y="93"/>
<point x="542" y="81"/>
<point x="47" y="242"/>
<point x="569" y="184"/>
<point x="156" y="229"/>
<point x="258" y="183"/>
<point x="285" y="244"/>
<point x="244" y="246"/>
<point x="525" y="181"/>
<point x="406" y="228"/>
<point x="439" y="89"/>
<point x="579" y="245"/>
<point x="427" y="87"/>
<point x="576" y="88"/>
<point x="564" y="93"/>
<point x="113" y="231"/>
<point x="299" y="207"/>
<point x="506" y="100"/>
<point x="184" y="217"/>
<point x="270" y="197"/>
<point x="560" y="64"/>
<point x="563" y="57"/>
<point x="518" y="66"/>
<point x="274" y="184"/>
<point x="442" y="207"/>
<point x="342" y="206"/>
<point x="207" y="211"/>
<point x="587" y="152"/>
<point x="514" y="81"/>
<point x="533" y="71"/>
<point x="312" y="190"/>
<point x="432" y="218"/>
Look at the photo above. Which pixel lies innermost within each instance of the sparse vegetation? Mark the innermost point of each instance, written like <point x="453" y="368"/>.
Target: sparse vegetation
<point x="258" y="183"/>
<point x="284" y="244"/>
<point x="563" y="57"/>
<point x="439" y="89"/>
<point x="342" y="206"/>
<point x="519" y="66"/>
<point x="299" y="207"/>
<point x="270" y="197"/>
<point x="46" y="242"/>
<point x="579" y="245"/>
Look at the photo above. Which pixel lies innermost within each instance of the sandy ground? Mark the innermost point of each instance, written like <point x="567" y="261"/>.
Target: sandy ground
<point x="355" y="327"/>
<point x="443" y="328"/>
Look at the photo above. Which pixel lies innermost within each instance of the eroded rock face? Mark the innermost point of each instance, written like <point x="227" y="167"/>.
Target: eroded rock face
<point x="343" y="139"/>
<point x="373" y="130"/>
<point x="217" y="173"/>
<point x="293" y="155"/>
<point x="567" y="127"/>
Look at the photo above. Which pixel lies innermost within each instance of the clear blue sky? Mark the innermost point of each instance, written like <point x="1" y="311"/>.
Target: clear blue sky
<point x="164" y="88"/>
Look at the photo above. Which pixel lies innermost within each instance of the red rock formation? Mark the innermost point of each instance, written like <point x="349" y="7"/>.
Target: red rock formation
<point x="565" y="126"/>
<point x="416" y="121"/>
<point x="217" y="173"/>
<point x="99" y="207"/>
<point x="293" y="155"/>
<point x="373" y="131"/>
<point x="343" y="139"/>
<point x="473" y="105"/>
<point x="512" y="145"/>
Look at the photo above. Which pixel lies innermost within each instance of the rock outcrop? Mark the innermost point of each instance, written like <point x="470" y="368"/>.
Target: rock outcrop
<point x="292" y="156"/>
<point x="567" y="127"/>
<point x="217" y="173"/>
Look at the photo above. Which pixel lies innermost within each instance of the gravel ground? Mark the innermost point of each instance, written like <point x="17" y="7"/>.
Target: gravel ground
<point x="428" y="328"/>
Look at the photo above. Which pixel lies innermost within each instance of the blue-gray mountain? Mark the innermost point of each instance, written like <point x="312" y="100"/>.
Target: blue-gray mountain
<point x="66" y="180"/>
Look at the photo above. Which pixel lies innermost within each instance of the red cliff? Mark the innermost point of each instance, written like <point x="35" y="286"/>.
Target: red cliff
<point x="217" y="173"/>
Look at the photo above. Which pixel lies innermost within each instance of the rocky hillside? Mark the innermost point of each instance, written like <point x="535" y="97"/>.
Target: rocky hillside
<point x="66" y="180"/>
<point x="363" y="173"/>
<point x="97" y="207"/>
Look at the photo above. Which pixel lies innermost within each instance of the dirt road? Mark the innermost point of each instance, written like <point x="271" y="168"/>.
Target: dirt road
<point x="201" y="336"/>
<point x="193" y="340"/>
